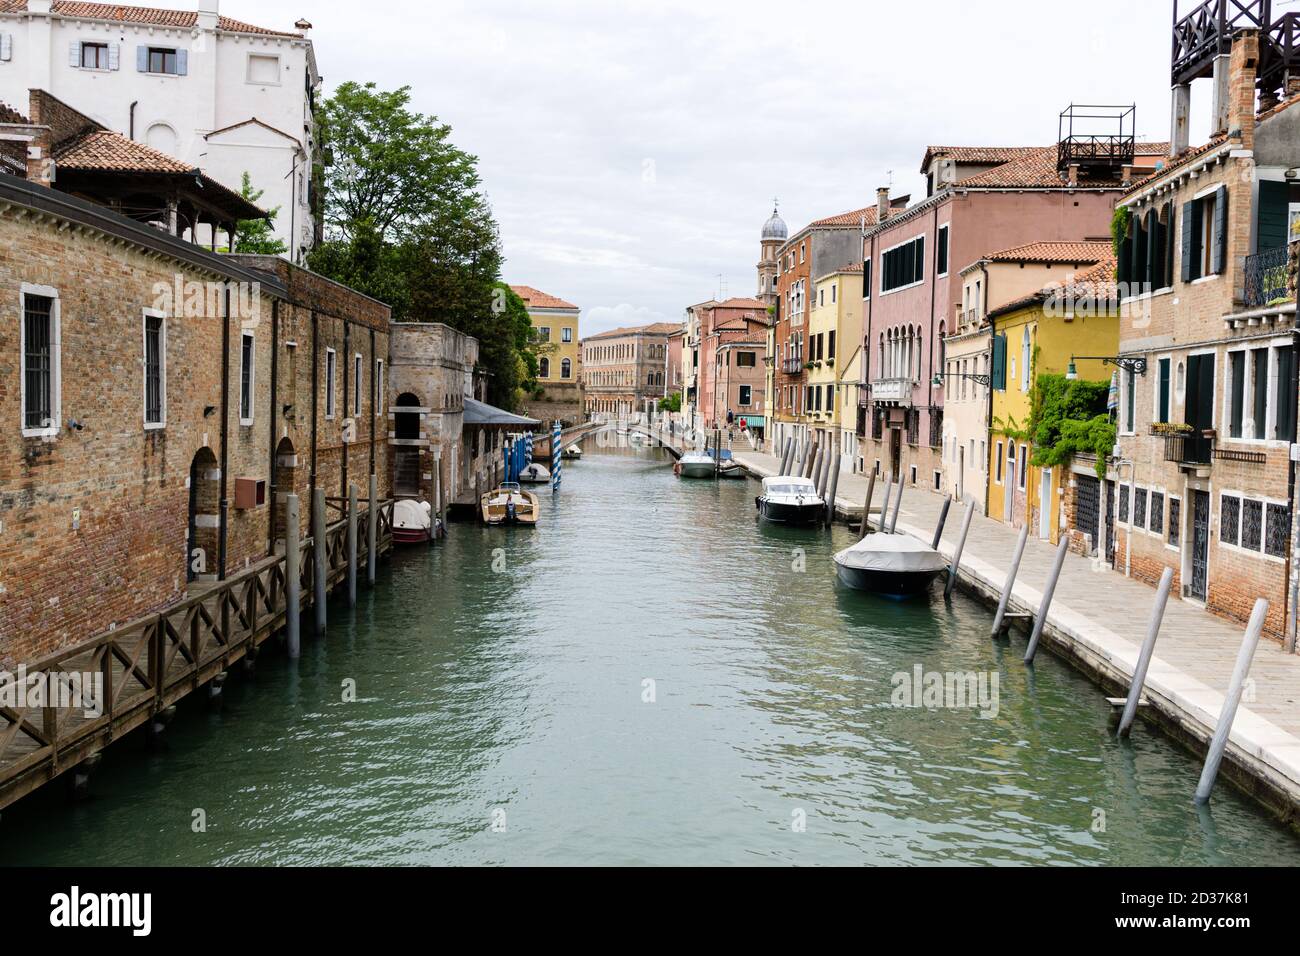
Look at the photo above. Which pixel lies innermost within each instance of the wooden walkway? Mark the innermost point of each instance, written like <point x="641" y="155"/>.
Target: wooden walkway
<point x="149" y="664"/>
<point x="1098" y="620"/>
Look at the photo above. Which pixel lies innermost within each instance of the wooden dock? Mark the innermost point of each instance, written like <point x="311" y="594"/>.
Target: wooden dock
<point x="151" y="663"/>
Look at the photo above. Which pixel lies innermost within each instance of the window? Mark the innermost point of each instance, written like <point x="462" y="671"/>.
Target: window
<point x="155" y="370"/>
<point x="746" y="359"/>
<point x="246" y="355"/>
<point x="746" y="395"/>
<point x="356" y="385"/>
<point x="942" y="243"/>
<point x="866" y="279"/>
<point x="904" y="265"/>
<point x="1175" y="521"/>
<point x="830" y="344"/>
<point x="1156" y="513"/>
<point x="1204" y="235"/>
<point x="544" y="368"/>
<point x="40" y="361"/>
<point x="1024" y="465"/>
<point x="566" y="334"/>
<point x="833" y="288"/>
<point x="1140" y="507"/>
<point x="263" y="69"/>
<point x="1162" y="390"/>
<point x="566" y="368"/>
<point x="998" y="463"/>
<point x="379" y="387"/>
<point x="1124" y="492"/>
<point x="93" y="56"/>
<point x="330" y="363"/>
<point x="543" y="333"/>
<point x="158" y="59"/>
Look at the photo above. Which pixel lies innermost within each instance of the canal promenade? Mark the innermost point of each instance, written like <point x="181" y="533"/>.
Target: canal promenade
<point x="1098" y="620"/>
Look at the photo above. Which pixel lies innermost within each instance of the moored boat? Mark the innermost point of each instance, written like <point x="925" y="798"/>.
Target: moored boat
<point x="790" y="499"/>
<point x="895" y="565"/>
<point x="412" y="521"/>
<point x="535" y="474"/>
<point x="572" y="453"/>
<point x="696" y="464"/>
<point x="509" y="504"/>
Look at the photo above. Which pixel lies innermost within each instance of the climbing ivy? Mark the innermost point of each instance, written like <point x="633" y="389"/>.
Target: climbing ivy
<point x="1069" y="418"/>
<point x="1119" y="228"/>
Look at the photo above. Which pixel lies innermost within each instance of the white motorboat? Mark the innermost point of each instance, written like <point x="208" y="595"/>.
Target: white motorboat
<point x="896" y="565"/>
<point x="535" y="474"/>
<point x="696" y="464"/>
<point x="572" y="453"/>
<point x="790" y="499"/>
<point x="412" y="521"/>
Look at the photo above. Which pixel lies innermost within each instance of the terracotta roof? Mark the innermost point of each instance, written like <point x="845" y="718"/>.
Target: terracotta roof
<point x="975" y="154"/>
<point x="10" y="115"/>
<point x="751" y="340"/>
<point x="654" y="328"/>
<point x="538" y="299"/>
<point x="1049" y="252"/>
<point x="741" y="303"/>
<point x="1037" y="170"/>
<point x="1182" y="159"/>
<point x="848" y="218"/>
<point x="1095" y="282"/>
<point x="148" y="16"/>
<point x="106" y="151"/>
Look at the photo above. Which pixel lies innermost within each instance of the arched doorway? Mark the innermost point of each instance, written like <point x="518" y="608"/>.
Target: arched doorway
<point x="204" y="517"/>
<point x="406" y="458"/>
<point x="286" y="470"/>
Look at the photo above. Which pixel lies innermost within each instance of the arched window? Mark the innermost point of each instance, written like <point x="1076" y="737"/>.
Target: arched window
<point x="545" y="368"/>
<point x="566" y="368"/>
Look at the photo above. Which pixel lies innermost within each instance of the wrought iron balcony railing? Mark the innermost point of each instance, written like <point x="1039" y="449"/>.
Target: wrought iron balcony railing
<point x="1187" y="447"/>
<point x="1266" y="276"/>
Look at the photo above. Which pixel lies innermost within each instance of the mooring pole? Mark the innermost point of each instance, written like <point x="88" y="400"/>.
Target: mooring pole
<point x="1144" y="657"/>
<point x="898" y="505"/>
<point x="943" y="519"/>
<point x="866" y="506"/>
<point x="292" y="577"/>
<point x="319" y="587"/>
<point x="819" y="473"/>
<point x="352" y="544"/>
<point x="834" y="488"/>
<point x="1043" y="608"/>
<point x="372" y="531"/>
<point x="1230" y="703"/>
<point x="961" y="546"/>
<point x="787" y="461"/>
<point x="1011" y="579"/>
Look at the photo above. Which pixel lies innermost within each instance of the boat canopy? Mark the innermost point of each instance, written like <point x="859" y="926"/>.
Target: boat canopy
<point x="789" y="485"/>
<point x="898" y="553"/>
<point x="481" y="413"/>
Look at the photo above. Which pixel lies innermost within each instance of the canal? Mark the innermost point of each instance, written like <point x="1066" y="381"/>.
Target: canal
<point x="649" y="677"/>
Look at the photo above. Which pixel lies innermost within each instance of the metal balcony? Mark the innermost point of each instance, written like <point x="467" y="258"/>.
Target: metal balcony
<point x="1266" y="276"/>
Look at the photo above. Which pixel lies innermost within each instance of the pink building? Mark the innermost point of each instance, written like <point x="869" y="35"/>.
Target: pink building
<point x="980" y="198"/>
<point x="724" y="323"/>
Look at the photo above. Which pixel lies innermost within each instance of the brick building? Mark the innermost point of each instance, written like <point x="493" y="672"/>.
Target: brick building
<point x="625" y="371"/>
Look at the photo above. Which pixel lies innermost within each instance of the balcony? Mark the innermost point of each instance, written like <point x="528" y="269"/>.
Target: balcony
<point x="792" y="366"/>
<point x="1267" y="277"/>
<point x="893" y="390"/>
<point x="1185" y="446"/>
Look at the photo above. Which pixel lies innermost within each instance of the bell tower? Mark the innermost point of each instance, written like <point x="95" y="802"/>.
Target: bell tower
<point x="774" y="234"/>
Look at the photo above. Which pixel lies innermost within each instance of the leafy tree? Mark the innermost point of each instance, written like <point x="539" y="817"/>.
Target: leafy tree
<point x="255" y="236"/>
<point x="390" y="166"/>
<point x="671" y="403"/>
<point x="1070" y="417"/>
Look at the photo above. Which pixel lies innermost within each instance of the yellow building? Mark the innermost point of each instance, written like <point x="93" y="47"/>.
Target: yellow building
<point x="1054" y="331"/>
<point x="555" y="323"/>
<point x="834" y="331"/>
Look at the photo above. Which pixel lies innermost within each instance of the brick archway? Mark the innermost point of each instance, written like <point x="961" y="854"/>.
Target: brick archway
<point x="204" y="517"/>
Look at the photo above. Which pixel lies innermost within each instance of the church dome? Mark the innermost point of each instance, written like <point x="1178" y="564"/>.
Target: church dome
<point x="775" y="227"/>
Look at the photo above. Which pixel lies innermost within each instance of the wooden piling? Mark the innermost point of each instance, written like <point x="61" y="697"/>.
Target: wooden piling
<point x="1011" y="579"/>
<point x="352" y="545"/>
<point x="372" y="531"/>
<point x="319" y="582"/>
<point x="1144" y="657"/>
<point x="1219" y="742"/>
<point x="292" y="577"/>
<point x="1043" y="608"/>
<point x="961" y="546"/>
<point x="866" y="506"/>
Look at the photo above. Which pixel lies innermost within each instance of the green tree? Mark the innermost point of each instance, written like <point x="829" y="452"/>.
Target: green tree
<point x="255" y="236"/>
<point x="671" y="403"/>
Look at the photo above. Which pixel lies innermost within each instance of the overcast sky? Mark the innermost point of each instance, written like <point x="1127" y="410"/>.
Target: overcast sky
<point x="632" y="150"/>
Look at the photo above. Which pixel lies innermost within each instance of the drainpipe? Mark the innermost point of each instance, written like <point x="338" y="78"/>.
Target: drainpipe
<point x="347" y="403"/>
<point x="275" y="374"/>
<point x="315" y="391"/>
<point x="131" y="126"/>
<point x="225" y="419"/>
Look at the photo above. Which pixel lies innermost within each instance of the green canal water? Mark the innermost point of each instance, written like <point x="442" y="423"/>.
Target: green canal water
<point x="502" y="717"/>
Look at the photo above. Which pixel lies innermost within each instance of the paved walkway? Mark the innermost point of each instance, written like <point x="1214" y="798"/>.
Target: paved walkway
<point x="1101" y="617"/>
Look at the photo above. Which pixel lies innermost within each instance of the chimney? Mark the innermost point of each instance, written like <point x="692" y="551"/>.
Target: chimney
<point x="209" y="14"/>
<point x="303" y="26"/>
<point x="882" y="204"/>
<point x="1074" y="174"/>
<point x="39" y="7"/>
<point x="40" y="164"/>
<point x="1242" y="72"/>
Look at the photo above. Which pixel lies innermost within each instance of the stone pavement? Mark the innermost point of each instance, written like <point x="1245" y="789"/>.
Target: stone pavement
<point x="1099" y="618"/>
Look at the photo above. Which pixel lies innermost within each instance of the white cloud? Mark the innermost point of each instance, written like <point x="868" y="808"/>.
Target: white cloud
<point x="605" y="317"/>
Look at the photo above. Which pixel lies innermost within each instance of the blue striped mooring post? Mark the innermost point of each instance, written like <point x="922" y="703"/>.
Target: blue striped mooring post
<point x="555" y="457"/>
<point x="528" y="448"/>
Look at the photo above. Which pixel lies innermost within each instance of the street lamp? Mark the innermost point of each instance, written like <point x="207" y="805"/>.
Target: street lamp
<point x="980" y="379"/>
<point x="1129" y="363"/>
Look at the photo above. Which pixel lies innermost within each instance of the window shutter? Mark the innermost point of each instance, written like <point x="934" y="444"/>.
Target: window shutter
<point x="1221" y="230"/>
<point x="1169" y="243"/>
<point x="1153" y="249"/>
<point x="920" y="259"/>
<point x="182" y="62"/>
<point x="114" y="56"/>
<point x="6" y="46"/>
<point x="142" y="59"/>
<point x="74" y="53"/>
<point x="1000" y="362"/>
<point x="1188" y="235"/>
<point x="1123" y="264"/>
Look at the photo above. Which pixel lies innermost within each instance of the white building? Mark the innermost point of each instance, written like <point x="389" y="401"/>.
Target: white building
<point x="223" y="95"/>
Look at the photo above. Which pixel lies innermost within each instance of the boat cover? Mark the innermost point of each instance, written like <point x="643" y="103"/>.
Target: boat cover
<point x="789" y="485"/>
<point x="411" y="514"/>
<point x="898" y="553"/>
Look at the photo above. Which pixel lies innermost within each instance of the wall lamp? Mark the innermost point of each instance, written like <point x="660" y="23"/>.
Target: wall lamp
<point x="1135" y="364"/>
<point x="985" y="380"/>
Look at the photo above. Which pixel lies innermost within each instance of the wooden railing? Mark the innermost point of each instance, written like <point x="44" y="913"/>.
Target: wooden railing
<point x="146" y="665"/>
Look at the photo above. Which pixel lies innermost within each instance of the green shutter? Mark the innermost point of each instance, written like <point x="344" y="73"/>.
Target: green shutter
<point x="1000" y="362"/>
<point x="1189" y="238"/>
<point x="1169" y="243"/>
<point x="1221" y="230"/>
<point x="1273" y="205"/>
